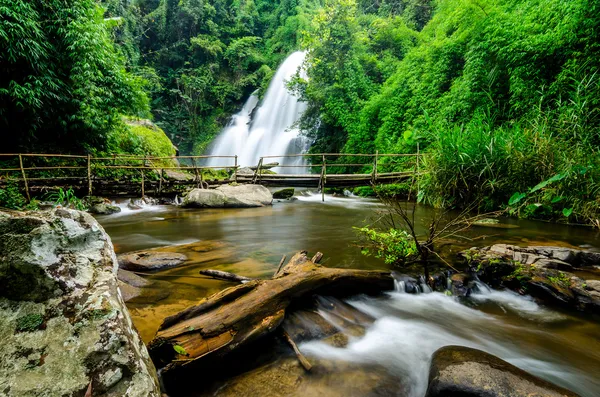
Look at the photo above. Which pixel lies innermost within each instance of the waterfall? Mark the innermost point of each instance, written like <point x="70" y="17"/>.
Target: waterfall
<point x="268" y="130"/>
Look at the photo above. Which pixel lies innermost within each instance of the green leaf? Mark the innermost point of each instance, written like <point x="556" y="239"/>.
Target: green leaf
<point x="545" y="183"/>
<point x="556" y="199"/>
<point x="567" y="212"/>
<point x="515" y="198"/>
<point x="180" y="350"/>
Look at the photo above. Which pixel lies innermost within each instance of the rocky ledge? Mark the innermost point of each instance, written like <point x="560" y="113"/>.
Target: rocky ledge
<point x="65" y="329"/>
<point x="543" y="272"/>
<point x="229" y="196"/>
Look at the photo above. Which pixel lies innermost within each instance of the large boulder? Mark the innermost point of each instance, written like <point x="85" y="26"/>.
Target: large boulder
<point x="229" y="196"/>
<point x="63" y="324"/>
<point x="462" y="371"/>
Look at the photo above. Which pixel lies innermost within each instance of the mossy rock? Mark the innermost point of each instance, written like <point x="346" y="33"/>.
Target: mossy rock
<point x="284" y="194"/>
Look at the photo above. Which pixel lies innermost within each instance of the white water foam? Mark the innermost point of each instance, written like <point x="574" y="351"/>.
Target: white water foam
<point x="409" y="328"/>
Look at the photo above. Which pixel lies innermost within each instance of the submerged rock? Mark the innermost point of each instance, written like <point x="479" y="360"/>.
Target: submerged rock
<point x="462" y="371"/>
<point x="284" y="194"/>
<point x="63" y="322"/>
<point x="150" y="260"/>
<point x="538" y="271"/>
<point x="240" y="196"/>
<point x="104" y="209"/>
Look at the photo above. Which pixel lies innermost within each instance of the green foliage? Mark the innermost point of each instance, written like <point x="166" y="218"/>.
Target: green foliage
<point x="63" y="84"/>
<point x="501" y="96"/>
<point x="394" y="246"/>
<point x="11" y="197"/>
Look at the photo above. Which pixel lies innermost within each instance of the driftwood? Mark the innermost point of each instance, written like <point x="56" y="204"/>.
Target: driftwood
<point x="221" y="275"/>
<point x="236" y="317"/>
<point x="307" y="366"/>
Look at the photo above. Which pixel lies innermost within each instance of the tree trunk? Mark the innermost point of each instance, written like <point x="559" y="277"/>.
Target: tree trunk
<point x="242" y="314"/>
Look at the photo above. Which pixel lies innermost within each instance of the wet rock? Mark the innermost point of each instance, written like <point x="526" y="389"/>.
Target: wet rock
<point x="462" y="371"/>
<point x="132" y="206"/>
<point x="408" y="283"/>
<point x="284" y="194"/>
<point x="245" y="171"/>
<point x="174" y="175"/>
<point x="330" y="378"/>
<point x="537" y="271"/>
<point x="460" y="284"/>
<point x="150" y="260"/>
<point x="240" y="196"/>
<point x="62" y="319"/>
<point x="130" y="284"/>
<point x="104" y="209"/>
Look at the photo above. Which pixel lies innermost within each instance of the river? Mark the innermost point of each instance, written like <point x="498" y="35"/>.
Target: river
<point x="403" y="330"/>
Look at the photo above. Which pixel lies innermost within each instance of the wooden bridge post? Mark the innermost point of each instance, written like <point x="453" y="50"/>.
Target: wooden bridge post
<point x="257" y="170"/>
<point x="418" y="155"/>
<point x="323" y="176"/>
<point x="24" y="178"/>
<point x="235" y="169"/>
<point x="198" y="179"/>
<point x="374" y="174"/>
<point x="160" y="181"/>
<point x="143" y="180"/>
<point x="89" y="174"/>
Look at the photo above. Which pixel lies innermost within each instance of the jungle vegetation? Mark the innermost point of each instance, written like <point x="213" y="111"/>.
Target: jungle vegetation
<point x="502" y="96"/>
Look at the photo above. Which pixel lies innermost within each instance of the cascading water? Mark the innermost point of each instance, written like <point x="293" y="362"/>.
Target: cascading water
<point x="272" y="130"/>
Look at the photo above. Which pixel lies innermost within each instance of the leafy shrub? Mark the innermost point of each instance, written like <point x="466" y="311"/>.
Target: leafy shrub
<point x="11" y="197"/>
<point x="394" y="246"/>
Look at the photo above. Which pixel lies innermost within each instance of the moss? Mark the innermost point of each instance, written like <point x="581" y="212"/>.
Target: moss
<point x="30" y="322"/>
<point x="153" y="140"/>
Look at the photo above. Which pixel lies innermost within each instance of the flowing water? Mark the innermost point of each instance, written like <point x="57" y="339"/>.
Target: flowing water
<point x="272" y="130"/>
<point x="392" y="353"/>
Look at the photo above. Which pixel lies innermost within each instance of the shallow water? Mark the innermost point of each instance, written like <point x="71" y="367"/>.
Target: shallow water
<point x="563" y="348"/>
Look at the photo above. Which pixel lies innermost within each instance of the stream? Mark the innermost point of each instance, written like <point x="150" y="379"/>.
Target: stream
<point x="392" y="354"/>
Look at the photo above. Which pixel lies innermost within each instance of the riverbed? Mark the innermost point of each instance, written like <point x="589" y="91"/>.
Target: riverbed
<point x="394" y="350"/>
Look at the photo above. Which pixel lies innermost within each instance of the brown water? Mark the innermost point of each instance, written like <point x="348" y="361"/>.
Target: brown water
<point x="397" y="345"/>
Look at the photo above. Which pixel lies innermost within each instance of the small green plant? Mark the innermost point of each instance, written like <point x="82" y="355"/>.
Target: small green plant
<point x="180" y="350"/>
<point x="11" y="197"/>
<point x="30" y="322"/>
<point x="66" y="198"/>
<point x="394" y="246"/>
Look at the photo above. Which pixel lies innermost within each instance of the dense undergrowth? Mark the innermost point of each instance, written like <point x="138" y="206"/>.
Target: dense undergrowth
<point x="502" y="97"/>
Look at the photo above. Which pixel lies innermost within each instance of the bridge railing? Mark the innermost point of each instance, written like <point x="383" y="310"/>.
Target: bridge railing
<point x="42" y="169"/>
<point x="374" y="164"/>
<point x="28" y="168"/>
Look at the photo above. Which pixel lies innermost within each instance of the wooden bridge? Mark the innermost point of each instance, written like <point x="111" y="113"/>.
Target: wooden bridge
<point x="132" y="176"/>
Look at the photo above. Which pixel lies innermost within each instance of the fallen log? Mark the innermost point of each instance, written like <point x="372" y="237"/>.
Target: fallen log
<point x="221" y="275"/>
<point x="236" y="317"/>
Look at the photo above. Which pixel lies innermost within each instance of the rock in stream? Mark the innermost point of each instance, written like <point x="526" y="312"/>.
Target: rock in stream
<point x="229" y="196"/>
